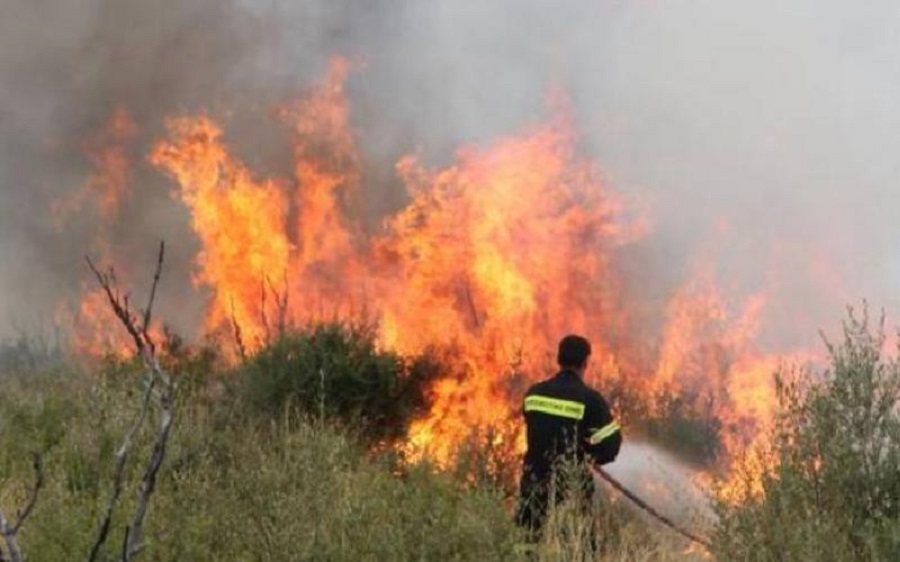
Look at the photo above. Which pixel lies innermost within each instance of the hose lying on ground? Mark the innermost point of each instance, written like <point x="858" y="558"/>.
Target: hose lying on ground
<point x="646" y="507"/>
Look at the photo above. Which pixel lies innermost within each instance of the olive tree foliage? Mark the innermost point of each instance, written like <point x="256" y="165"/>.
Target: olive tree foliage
<point x="833" y="489"/>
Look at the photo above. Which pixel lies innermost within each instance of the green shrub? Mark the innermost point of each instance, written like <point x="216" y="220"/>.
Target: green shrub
<point x="335" y="371"/>
<point x="269" y="490"/>
<point x="304" y="491"/>
<point x="834" y="492"/>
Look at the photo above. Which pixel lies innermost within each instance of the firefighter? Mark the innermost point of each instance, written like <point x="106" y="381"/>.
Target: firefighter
<point x="568" y="423"/>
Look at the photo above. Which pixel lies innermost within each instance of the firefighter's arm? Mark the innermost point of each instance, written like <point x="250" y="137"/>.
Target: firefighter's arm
<point x="604" y="438"/>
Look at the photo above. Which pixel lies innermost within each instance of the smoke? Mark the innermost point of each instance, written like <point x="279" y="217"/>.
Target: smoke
<point x="759" y="136"/>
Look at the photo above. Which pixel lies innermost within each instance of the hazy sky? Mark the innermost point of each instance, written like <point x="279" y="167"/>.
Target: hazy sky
<point x="761" y="135"/>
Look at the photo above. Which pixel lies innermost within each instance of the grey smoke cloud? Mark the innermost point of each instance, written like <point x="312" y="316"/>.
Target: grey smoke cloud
<point x="762" y="135"/>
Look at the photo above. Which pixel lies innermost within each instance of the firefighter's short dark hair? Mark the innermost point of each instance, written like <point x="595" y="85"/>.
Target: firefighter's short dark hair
<point x="573" y="351"/>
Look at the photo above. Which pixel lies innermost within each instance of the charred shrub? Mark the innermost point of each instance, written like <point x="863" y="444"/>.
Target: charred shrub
<point x="687" y="425"/>
<point x="335" y="371"/>
<point x="683" y="421"/>
<point x="833" y="492"/>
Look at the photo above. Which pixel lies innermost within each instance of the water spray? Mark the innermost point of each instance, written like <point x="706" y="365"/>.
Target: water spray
<point x="647" y="508"/>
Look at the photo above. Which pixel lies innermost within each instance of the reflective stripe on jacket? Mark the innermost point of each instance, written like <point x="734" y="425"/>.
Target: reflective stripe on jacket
<point x="564" y="416"/>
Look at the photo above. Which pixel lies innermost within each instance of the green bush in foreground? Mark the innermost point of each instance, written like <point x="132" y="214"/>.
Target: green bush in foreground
<point x="334" y="371"/>
<point x="834" y="493"/>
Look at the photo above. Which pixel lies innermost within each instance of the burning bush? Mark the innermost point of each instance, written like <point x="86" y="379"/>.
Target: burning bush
<point x="686" y="424"/>
<point x="495" y="253"/>
<point x="335" y="371"/>
<point x="834" y="491"/>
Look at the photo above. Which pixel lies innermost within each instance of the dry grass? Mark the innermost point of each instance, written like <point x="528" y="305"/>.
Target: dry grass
<point x="288" y="489"/>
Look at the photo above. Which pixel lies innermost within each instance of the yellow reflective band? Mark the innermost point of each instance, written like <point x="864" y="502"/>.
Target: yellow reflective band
<point x="604" y="432"/>
<point x="555" y="407"/>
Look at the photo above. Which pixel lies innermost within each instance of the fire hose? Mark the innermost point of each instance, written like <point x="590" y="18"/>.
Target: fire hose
<point x="649" y="509"/>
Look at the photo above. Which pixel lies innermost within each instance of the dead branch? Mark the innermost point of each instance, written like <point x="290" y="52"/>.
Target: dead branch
<point x="148" y="481"/>
<point x="159" y="385"/>
<point x="121" y="457"/>
<point x="38" y="466"/>
<point x="281" y="306"/>
<point x="262" y="309"/>
<point x="281" y="303"/>
<point x="238" y="335"/>
<point x="12" y="545"/>
<point x="470" y="301"/>
<point x="148" y="312"/>
<point x="119" y="303"/>
<point x="9" y="531"/>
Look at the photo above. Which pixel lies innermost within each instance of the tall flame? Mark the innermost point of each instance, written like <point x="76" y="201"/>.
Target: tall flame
<point x="241" y="223"/>
<point x="493" y="258"/>
<point x="498" y="255"/>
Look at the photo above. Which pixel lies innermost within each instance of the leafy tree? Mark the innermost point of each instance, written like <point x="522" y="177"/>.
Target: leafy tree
<point x="834" y="491"/>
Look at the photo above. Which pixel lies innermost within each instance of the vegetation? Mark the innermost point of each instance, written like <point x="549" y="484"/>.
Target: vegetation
<point x="685" y="423"/>
<point x="246" y="479"/>
<point x="336" y="372"/>
<point x="832" y="492"/>
<point x="283" y="458"/>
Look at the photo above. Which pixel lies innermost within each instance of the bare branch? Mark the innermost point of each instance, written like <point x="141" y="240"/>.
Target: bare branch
<point x="15" y="554"/>
<point x="119" y="474"/>
<point x="281" y="302"/>
<point x="262" y="309"/>
<point x="238" y="336"/>
<point x="148" y="312"/>
<point x="125" y="542"/>
<point x="281" y="306"/>
<point x="156" y="377"/>
<point x="38" y="465"/>
<point x="470" y="301"/>
<point x="148" y="482"/>
<point x="8" y="531"/>
<point x="119" y="305"/>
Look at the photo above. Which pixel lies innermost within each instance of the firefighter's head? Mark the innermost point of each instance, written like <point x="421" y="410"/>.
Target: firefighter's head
<point x="573" y="353"/>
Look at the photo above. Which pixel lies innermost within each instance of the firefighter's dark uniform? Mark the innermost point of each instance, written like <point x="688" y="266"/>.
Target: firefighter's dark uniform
<point x="565" y="419"/>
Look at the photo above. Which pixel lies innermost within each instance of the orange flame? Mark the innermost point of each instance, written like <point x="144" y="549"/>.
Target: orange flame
<point x="241" y="222"/>
<point x="110" y="156"/>
<point x="498" y="255"/>
<point x="493" y="258"/>
<point x="91" y="324"/>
